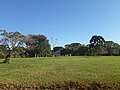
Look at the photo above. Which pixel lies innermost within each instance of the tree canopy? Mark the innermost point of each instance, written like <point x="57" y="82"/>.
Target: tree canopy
<point x="10" y="40"/>
<point x="15" y="44"/>
<point x="38" y="46"/>
<point x="97" y="47"/>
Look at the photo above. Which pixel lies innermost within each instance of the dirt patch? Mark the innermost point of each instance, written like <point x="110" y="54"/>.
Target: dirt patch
<point x="65" y="86"/>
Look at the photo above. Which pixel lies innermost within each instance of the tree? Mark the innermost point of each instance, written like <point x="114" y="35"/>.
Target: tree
<point x="19" y="52"/>
<point x="37" y="46"/>
<point x="112" y="48"/>
<point x="10" y="40"/>
<point x="82" y="50"/>
<point x="97" y="45"/>
<point x="70" y="49"/>
<point x="3" y="51"/>
<point x="63" y="52"/>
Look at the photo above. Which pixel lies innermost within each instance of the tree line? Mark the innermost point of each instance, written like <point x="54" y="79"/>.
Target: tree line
<point x="97" y="46"/>
<point x="15" y="44"/>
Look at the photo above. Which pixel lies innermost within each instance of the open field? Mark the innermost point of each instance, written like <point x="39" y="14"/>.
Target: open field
<point x="83" y="73"/>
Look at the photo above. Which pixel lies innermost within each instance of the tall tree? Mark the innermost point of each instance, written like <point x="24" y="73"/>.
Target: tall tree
<point x="97" y="45"/>
<point x="38" y="46"/>
<point x="10" y="40"/>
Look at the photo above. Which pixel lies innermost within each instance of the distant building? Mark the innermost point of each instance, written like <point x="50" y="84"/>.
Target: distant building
<point x="57" y="51"/>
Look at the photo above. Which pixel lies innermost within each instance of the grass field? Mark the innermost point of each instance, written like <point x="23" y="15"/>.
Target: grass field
<point x="55" y="72"/>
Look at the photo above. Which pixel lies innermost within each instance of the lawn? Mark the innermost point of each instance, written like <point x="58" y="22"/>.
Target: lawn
<point x="51" y="72"/>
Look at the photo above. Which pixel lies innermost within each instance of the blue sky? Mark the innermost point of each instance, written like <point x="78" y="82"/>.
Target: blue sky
<point x="65" y="20"/>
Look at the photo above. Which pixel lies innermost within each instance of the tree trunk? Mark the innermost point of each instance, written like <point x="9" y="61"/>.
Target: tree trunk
<point x="7" y="58"/>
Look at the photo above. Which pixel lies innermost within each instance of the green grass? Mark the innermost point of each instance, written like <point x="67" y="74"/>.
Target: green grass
<point x="47" y="70"/>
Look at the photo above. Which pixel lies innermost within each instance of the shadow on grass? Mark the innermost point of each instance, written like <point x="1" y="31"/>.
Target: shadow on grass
<point x="3" y="62"/>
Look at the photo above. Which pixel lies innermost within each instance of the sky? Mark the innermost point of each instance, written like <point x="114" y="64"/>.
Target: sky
<point x="65" y="21"/>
